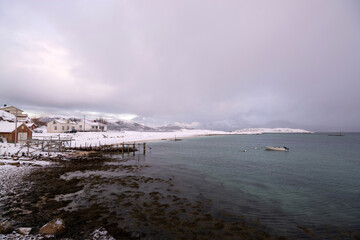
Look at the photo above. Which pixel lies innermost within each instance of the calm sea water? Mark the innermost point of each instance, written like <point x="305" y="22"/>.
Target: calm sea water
<point x="315" y="185"/>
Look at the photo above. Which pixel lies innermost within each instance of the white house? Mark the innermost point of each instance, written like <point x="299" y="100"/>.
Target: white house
<point x="58" y="126"/>
<point x="64" y="125"/>
<point x="93" y="126"/>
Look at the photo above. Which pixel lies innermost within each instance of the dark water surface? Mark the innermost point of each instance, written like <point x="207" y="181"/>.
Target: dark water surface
<point x="315" y="186"/>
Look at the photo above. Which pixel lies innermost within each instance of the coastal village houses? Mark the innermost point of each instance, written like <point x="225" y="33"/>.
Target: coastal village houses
<point x="65" y="125"/>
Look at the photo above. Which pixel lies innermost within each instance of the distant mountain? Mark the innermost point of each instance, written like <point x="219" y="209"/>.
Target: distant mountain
<point x="120" y="125"/>
<point x="48" y="118"/>
<point x="225" y="125"/>
<point x="170" y="128"/>
<point x="235" y="123"/>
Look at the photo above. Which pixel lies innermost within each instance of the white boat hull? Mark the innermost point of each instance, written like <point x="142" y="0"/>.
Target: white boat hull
<point x="276" y="148"/>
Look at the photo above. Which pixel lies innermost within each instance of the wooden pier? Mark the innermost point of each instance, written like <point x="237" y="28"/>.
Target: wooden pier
<point x="46" y="144"/>
<point x="58" y="144"/>
<point x="112" y="148"/>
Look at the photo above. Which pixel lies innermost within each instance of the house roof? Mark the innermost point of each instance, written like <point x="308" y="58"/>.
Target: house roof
<point x="7" y="107"/>
<point x="7" y="116"/>
<point x="7" y="127"/>
<point x="61" y="121"/>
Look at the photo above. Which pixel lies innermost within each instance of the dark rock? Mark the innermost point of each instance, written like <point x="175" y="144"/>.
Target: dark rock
<point x="56" y="227"/>
<point x="6" y="227"/>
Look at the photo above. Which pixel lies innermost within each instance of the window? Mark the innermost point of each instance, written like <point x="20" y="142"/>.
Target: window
<point x="92" y="127"/>
<point x="54" y="122"/>
<point x="80" y="126"/>
<point x="73" y="128"/>
<point x="55" y="127"/>
<point x="63" y="128"/>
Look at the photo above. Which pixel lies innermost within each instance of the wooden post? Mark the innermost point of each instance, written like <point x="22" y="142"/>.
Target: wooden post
<point x="134" y="149"/>
<point x="122" y="149"/>
<point x="144" y="148"/>
<point x="59" y="144"/>
<point x="128" y="149"/>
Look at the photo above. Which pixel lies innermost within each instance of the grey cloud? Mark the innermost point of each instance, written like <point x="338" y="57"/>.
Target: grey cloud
<point x="247" y="62"/>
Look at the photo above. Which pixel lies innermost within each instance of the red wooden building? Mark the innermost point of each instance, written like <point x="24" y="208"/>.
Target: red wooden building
<point x="7" y="130"/>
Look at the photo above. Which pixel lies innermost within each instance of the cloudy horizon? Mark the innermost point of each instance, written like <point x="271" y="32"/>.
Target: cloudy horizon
<point x="219" y="65"/>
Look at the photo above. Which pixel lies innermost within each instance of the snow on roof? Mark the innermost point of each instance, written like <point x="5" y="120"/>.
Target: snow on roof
<point x="64" y="121"/>
<point x="61" y="121"/>
<point x="7" y="116"/>
<point x="7" y="126"/>
<point x="7" y="107"/>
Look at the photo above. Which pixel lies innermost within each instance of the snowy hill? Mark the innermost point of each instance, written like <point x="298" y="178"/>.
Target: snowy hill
<point x="120" y="125"/>
<point x="48" y="118"/>
<point x="246" y="131"/>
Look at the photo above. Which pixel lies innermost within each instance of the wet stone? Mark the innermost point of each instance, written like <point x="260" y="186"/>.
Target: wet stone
<point x="6" y="227"/>
<point x="56" y="227"/>
<point x="24" y="231"/>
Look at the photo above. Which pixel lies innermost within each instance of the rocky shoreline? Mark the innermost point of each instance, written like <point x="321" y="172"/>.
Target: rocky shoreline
<point x="95" y="195"/>
<point x="52" y="230"/>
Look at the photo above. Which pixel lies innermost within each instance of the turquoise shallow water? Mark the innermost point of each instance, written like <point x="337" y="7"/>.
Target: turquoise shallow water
<point x="315" y="185"/>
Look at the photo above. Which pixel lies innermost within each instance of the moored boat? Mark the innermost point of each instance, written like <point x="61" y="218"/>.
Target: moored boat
<point x="276" y="148"/>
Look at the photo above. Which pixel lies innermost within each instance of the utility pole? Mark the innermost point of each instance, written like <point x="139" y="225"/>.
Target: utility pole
<point x="16" y="126"/>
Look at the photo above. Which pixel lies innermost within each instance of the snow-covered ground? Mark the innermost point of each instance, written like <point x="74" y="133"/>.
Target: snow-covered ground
<point x="99" y="138"/>
<point x="114" y="137"/>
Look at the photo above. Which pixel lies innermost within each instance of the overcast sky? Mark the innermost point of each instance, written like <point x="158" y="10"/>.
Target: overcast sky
<point x="248" y="63"/>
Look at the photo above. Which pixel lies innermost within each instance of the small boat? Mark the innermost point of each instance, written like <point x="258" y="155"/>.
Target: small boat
<point x="277" y="148"/>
